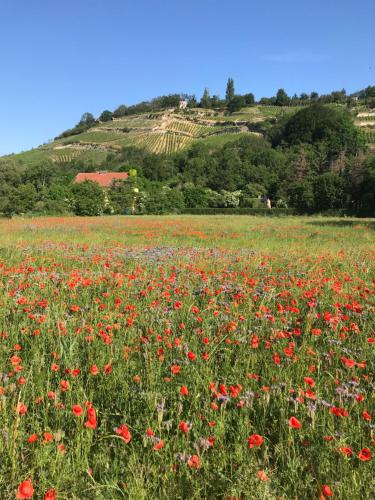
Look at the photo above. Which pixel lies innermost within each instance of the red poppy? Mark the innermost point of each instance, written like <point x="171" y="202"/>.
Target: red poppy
<point x="159" y="445"/>
<point x="294" y="423"/>
<point x="25" y="490"/>
<point x="21" y="408"/>
<point x="32" y="438"/>
<point x="50" y="494"/>
<point x="365" y="454"/>
<point x="255" y="440"/>
<point x="184" y="427"/>
<point x="194" y="462"/>
<point x="124" y="432"/>
<point x="184" y="390"/>
<point x="77" y="410"/>
<point x="91" y="422"/>
<point x="346" y="450"/>
<point x="262" y="475"/>
<point x="326" y="490"/>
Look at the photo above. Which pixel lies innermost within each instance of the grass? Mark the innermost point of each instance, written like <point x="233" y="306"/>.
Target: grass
<point x="142" y="356"/>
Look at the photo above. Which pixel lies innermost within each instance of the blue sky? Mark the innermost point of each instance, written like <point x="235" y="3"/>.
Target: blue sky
<point x="60" y="59"/>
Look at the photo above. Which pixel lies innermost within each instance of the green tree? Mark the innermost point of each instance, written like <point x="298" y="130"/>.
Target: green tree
<point x="282" y="98"/>
<point x="301" y="196"/>
<point x="195" y="196"/>
<point x="249" y="99"/>
<point x="87" y="119"/>
<point x="20" y="200"/>
<point x="88" y="198"/>
<point x="123" y="196"/>
<point x="236" y="103"/>
<point x="229" y="93"/>
<point x="322" y="125"/>
<point x="121" y="110"/>
<point x="106" y="116"/>
<point x="328" y="192"/>
<point x="205" y="101"/>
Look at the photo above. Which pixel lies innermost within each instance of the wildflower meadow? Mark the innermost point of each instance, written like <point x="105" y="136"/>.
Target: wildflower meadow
<point x="178" y="357"/>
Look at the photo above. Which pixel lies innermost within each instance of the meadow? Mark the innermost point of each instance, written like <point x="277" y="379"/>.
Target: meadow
<point x="222" y="357"/>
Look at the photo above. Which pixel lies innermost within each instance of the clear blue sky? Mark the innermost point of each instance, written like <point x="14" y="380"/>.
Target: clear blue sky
<point x="60" y="59"/>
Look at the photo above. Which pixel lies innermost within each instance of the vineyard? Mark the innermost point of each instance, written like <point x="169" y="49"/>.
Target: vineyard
<point x="188" y="128"/>
<point x="370" y="137"/>
<point x="160" y="143"/>
<point x="65" y="156"/>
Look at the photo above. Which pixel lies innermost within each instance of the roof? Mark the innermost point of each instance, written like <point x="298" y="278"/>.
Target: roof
<point x="104" y="179"/>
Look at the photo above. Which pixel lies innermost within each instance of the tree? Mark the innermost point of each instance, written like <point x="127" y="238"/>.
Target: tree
<point x="328" y="192"/>
<point x="106" y="116"/>
<point x="195" y="196"/>
<point x="87" y="119"/>
<point x="282" y="98"/>
<point x="301" y="196"/>
<point x="205" y="101"/>
<point x="123" y="195"/>
<point x="20" y="200"/>
<point x="122" y="110"/>
<point x="236" y="103"/>
<point x="249" y="99"/>
<point x="88" y="198"/>
<point x="229" y="93"/>
<point x="325" y="126"/>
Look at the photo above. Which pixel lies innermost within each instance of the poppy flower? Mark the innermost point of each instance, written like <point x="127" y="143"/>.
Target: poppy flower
<point x="184" y="390"/>
<point x="326" y="490"/>
<point x="50" y="494"/>
<point x="91" y="422"/>
<point x="295" y="423"/>
<point x="32" y="438"/>
<point x="255" y="440"/>
<point x="159" y="445"/>
<point x="25" y="490"/>
<point x="21" y="409"/>
<point x="194" y="462"/>
<point x="124" y="432"/>
<point x="365" y="454"/>
<point x="77" y="410"/>
<point x="184" y="427"/>
<point x="262" y="475"/>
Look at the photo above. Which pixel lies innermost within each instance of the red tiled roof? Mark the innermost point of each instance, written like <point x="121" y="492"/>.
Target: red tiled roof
<point x="104" y="179"/>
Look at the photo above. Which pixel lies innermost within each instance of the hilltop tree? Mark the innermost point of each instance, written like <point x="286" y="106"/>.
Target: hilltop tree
<point x="282" y="98"/>
<point x="106" y="116"/>
<point x="249" y="99"/>
<point x="121" y="110"/>
<point x="236" y="103"/>
<point x="229" y="93"/>
<point x="87" y="119"/>
<point x="205" y="101"/>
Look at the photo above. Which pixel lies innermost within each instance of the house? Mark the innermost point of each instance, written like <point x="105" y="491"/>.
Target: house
<point x="104" y="179"/>
<point x="183" y="104"/>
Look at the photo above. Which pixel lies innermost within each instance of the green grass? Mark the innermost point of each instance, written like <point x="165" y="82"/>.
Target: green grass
<point x="246" y="307"/>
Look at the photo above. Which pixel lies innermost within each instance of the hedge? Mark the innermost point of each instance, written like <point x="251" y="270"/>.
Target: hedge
<point x="238" y="211"/>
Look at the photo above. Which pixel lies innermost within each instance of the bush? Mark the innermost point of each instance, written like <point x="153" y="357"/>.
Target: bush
<point x="88" y="198"/>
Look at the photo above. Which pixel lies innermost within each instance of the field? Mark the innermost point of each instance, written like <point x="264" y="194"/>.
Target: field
<point x="225" y="357"/>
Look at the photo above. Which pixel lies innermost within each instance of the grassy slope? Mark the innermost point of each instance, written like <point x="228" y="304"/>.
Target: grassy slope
<point x="164" y="133"/>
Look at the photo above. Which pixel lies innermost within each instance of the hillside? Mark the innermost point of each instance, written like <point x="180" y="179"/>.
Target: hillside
<point x="163" y="132"/>
<point x="169" y="131"/>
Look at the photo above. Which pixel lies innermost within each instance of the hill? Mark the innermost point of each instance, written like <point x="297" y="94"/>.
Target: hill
<point x="162" y="132"/>
<point x="169" y="131"/>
